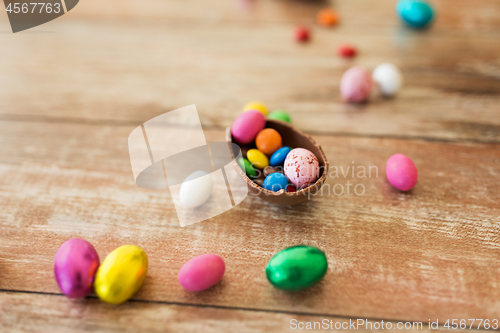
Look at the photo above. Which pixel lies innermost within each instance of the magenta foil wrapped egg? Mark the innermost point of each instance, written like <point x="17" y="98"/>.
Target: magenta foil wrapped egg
<point x="75" y="265"/>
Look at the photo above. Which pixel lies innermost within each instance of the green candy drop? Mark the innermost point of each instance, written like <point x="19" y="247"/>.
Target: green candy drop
<point x="246" y="166"/>
<point x="297" y="268"/>
<point x="280" y="115"/>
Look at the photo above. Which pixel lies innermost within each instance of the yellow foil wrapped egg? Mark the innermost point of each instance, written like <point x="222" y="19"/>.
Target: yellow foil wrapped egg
<point x="121" y="274"/>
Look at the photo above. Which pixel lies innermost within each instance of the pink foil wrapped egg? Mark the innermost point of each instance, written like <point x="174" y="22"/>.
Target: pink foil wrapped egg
<point x="75" y="265"/>
<point x="401" y="172"/>
<point x="301" y="168"/>
<point x="356" y="85"/>
<point x="201" y="272"/>
<point x="246" y="127"/>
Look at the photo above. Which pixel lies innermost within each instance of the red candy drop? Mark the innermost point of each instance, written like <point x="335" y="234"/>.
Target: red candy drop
<point x="347" y="51"/>
<point x="302" y="34"/>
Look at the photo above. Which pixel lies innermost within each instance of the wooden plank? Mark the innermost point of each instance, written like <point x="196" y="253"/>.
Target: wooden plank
<point x="28" y="312"/>
<point x="452" y="14"/>
<point x="432" y="253"/>
<point x="113" y="71"/>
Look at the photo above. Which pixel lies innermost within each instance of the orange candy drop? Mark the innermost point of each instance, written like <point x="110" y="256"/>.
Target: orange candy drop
<point x="327" y="17"/>
<point x="268" y="141"/>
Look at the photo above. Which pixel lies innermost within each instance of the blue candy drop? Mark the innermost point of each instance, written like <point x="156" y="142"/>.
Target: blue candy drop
<point x="275" y="182"/>
<point x="279" y="156"/>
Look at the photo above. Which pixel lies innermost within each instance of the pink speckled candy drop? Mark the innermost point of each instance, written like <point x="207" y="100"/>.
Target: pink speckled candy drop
<point x="247" y="125"/>
<point x="401" y="172"/>
<point x="356" y="85"/>
<point x="75" y="265"/>
<point x="201" y="272"/>
<point x="301" y="168"/>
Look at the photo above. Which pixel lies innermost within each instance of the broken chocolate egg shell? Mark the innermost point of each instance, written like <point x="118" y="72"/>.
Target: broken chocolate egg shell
<point x="294" y="139"/>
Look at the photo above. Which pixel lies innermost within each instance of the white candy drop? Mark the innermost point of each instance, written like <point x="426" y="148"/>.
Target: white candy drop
<point x="389" y="79"/>
<point x="195" y="189"/>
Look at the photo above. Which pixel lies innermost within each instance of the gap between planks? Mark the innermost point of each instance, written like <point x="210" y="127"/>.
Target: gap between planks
<point x="231" y="308"/>
<point x="125" y="123"/>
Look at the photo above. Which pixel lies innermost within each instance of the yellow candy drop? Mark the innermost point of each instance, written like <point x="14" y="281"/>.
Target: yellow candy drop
<point x="257" y="158"/>
<point x="256" y="106"/>
<point x="121" y="274"/>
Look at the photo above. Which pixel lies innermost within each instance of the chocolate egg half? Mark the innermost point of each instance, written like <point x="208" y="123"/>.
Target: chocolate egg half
<point x="291" y="137"/>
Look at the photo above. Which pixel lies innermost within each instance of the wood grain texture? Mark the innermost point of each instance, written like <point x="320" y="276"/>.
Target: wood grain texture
<point x="72" y="90"/>
<point x="124" y="61"/>
<point x="432" y="253"/>
<point x="28" y="313"/>
<point x="453" y="14"/>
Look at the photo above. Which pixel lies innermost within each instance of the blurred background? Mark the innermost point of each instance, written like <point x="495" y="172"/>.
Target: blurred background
<point x="127" y="61"/>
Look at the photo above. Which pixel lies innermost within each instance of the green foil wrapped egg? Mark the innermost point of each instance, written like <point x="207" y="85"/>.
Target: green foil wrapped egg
<point x="296" y="268"/>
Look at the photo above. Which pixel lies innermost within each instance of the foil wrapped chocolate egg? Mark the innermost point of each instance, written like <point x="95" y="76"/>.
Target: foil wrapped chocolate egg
<point x="75" y="266"/>
<point x="297" y="267"/>
<point x="121" y="274"/>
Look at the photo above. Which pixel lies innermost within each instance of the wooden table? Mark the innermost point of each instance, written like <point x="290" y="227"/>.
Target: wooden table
<point x="73" y="89"/>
